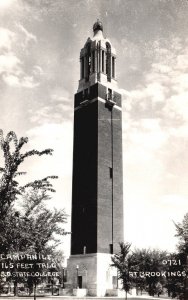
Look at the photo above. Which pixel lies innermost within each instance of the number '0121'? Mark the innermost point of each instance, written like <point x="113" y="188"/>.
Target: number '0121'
<point x="171" y="262"/>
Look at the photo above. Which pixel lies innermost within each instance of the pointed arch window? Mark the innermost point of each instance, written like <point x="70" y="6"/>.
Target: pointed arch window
<point x="88" y="60"/>
<point x="108" y="61"/>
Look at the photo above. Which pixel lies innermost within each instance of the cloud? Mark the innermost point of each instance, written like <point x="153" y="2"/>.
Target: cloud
<point x="29" y="37"/>
<point x="6" y="3"/>
<point x="148" y="133"/>
<point x="155" y="124"/>
<point x="60" y="107"/>
<point x="6" y="39"/>
<point x="12" y="68"/>
<point x="157" y="116"/>
<point x="164" y="90"/>
<point x="61" y="96"/>
<point x="9" y="63"/>
<point x="16" y="81"/>
<point x="37" y="70"/>
<point x="11" y="80"/>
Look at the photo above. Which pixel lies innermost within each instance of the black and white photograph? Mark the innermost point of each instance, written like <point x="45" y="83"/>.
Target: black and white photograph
<point x="94" y="149"/>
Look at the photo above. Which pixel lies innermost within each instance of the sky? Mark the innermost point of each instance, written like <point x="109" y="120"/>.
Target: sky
<point x="40" y="42"/>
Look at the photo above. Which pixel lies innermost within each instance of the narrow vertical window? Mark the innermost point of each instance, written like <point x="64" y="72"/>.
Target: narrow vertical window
<point x="88" y="61"/>
<point x="109" y="96"/>
<point x="86" y="94"/>
<point x="111" y="173"/>
<point x="111" y="248"/>
<point x="82" y="67"/>
<point x="113" y="66"/>
<point x="103" y="61"/>
<point x="89" y="65"/>
<point x="108" y="61"/>
<point x="93" y="61"/>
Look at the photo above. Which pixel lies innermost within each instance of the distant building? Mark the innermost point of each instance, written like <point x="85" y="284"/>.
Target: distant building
<point x="97" y="187"/>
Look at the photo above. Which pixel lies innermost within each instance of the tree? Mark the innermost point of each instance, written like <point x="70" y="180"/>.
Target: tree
<point x="13" y="158"/>
<point x="37" y="230"/>
<point x="34" y="226"/>
<point x="176" y="280"/>
<point x="179" y="286"/>
<point x="41" y="227"/>
<point x="41" y="231"/>
<point x="148" y="260"/>
<point x="133" y="267"/>
<point x="10" y="188"/>
<point x="182" y="234"/>
<point x="122" y="261"/>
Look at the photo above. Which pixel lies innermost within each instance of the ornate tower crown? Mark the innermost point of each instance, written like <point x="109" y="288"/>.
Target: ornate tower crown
<point x="97" y="60"/>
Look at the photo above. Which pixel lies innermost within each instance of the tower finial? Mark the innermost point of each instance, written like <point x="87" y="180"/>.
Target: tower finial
<point x="97" y="26"/>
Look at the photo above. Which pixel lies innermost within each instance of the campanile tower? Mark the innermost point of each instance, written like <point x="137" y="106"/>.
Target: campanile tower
<point x="97" y="186"/>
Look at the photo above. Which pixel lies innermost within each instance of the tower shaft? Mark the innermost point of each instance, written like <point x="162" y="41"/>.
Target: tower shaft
<point x="97" y="197"/>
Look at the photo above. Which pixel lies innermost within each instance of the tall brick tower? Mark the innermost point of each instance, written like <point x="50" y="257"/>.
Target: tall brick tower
<point x="97" y="188"/>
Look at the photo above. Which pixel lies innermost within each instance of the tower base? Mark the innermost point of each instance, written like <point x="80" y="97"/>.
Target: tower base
<point x="92" y="272"/>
